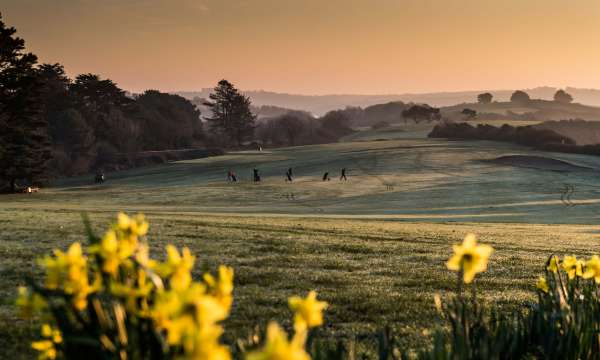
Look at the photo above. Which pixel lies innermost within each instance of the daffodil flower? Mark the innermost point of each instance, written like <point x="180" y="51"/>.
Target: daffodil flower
<point x="592" y="269"/>
<point x="470" y="258"/>
<point x="278" y="347"/>
<point x="553" y="264"/>
<point x="572" y="266"/>
<point x="308" y="311"/>
<point x="541" y="284"/>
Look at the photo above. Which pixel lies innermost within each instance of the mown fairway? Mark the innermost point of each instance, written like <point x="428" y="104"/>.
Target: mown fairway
<point x="374" y="247"/>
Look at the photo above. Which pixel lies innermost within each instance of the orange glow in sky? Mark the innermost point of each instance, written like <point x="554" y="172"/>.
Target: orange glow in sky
<point x="318" y="46"/>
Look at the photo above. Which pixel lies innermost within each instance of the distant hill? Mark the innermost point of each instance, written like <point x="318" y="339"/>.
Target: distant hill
<point x="535" y="109"/>
<point x="320" y="104"/>
<point x="261" y="111"/>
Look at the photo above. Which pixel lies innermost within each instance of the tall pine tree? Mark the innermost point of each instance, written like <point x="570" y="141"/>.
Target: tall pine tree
<point x="231" y="118"/>
<point x="24" y="144"/>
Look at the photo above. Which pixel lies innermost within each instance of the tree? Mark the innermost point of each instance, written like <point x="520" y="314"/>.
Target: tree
<point x="469" y="113"/>
<point x="562" y="96"/>
<point x="168" y="121"/>
<point x="24" y="136"/>
<point x="55" y="88"/>
<point x="520" y="97"/>
<point x="485" y="98"/>
<point x="337" y="123"/>
<point x="70" y="131"/>
<point x="231" y="117"/>
<point x="421" y="112"/>
<point x="292" y="127"/>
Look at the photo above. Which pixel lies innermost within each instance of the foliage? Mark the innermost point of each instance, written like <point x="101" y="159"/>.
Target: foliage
<point x="469" y="113"/>
<point x="523" y="135"/>
<point x="292" y="127"/>
<point x="562" y="96"/>
<point x="171" y="122"/>
<point x="520" y="97"/>
<point x="485" y="98"/>
<point x="336" y="123"/>
<point x="231" y="118"/>
<point x="300" y="128"/>
<point x="24" y="143"/>
<point x="117" y="302"/>
<point x="421" y="113"/>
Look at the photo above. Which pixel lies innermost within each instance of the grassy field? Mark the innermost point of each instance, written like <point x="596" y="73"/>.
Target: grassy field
<point x="374" y="247"/>
<point x="372" y="272"/>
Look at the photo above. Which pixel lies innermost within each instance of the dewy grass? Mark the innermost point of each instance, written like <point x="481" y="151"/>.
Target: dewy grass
<point x="379" y="305"/>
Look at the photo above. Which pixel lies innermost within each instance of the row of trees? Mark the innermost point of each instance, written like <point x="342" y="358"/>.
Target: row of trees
<point x="51" y="125"/>
<point x="520" y="96"/>
<point x="301" y="128"/>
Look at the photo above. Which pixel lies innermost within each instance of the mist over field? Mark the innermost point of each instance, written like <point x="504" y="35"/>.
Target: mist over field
<point x="320" y="104"/>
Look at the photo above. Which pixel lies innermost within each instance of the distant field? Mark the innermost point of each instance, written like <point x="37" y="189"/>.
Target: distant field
<point x="373" y="246"/>
<point x="410" y="179"/>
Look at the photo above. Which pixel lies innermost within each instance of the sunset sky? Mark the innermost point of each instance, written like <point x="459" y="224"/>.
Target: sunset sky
<point x="318" y="46"/>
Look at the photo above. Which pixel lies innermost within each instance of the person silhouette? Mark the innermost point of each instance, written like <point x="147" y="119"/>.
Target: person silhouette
<point x="256" y="176"/>
<point x="326" y="176"/>
<point x="288" y="175"/>
<point x="343" y="176"/>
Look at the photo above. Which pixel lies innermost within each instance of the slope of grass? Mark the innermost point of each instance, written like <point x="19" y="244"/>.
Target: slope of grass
<point x="410" y="179"/>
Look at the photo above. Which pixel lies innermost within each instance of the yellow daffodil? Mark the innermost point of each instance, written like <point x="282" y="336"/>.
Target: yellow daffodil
<point x="137" y="225"/>
<point x="188" y="314"/>
<point x="29" y="303"/>
<point x="177" y="267"/>
<point x="47" y="346"/>
<point x="278" y="347"/>
<point x="541" y="284"/>
<point x="308" y="311"/>
<point x="553" y="264"/>
<point x="46" y="349"/>
<point x="470" y="258"/>
<point x="572" y="266"/>
<point x="206" y="346"/>
<point x="222" y="287"/>
<point x="69" y="271"/>
<point x="51" y="333"/>
<point x="592" y="269"/>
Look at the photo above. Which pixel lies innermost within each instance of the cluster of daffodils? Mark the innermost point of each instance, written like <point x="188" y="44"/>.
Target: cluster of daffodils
<point x="308" y="314"/>
<point x="573" y="268"/>
<point x="120" y="302"/>
<point x="469" y="258"/>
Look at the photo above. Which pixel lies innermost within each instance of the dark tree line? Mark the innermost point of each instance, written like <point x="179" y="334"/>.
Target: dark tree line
<point x="301" y="128"/>
<point x="94" y="124"/>
<point x="51" y="125"/>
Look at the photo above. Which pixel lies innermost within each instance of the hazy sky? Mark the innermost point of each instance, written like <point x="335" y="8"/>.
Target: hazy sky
<point x="318" y="46"/>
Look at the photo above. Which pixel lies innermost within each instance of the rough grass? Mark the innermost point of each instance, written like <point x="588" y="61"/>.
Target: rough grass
<point x="372" y="272"/>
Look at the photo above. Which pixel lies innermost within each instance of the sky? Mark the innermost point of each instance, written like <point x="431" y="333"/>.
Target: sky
<point x="318" y="46"/>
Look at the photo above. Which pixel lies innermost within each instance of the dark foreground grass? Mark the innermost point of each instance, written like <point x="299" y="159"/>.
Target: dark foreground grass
<point x="373" y="273"/>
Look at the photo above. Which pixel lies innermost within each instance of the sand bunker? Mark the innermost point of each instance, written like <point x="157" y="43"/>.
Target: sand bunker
<point x="537" y="162"/>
